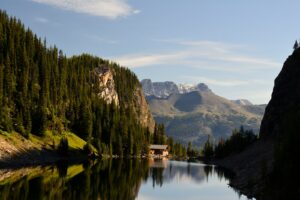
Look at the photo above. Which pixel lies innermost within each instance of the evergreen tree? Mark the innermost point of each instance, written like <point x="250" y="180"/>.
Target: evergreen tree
<point x="296" y="45"/>
<point x="41" y="89"/>
<point x="208" y="149"/>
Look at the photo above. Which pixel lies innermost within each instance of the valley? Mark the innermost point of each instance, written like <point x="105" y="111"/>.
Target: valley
<point x="194" y="113"/>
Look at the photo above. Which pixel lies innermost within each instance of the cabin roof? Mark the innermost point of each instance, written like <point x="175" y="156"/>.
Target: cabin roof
<point x="158" y="146"/>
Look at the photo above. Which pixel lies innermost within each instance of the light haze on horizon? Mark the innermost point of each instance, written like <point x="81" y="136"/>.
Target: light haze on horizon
<point x="236" y="47"/>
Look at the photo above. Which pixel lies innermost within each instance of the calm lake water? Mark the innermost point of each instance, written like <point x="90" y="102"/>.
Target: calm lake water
<point x="118" y="179"/>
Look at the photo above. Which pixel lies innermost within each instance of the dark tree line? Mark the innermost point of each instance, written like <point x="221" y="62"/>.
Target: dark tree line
<point x="41" y="89"/>
<point x="239" y="140"/>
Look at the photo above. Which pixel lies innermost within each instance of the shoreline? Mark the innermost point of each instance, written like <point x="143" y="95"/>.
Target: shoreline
<point x="40" y="158"/>
<point x="250" y="168"/>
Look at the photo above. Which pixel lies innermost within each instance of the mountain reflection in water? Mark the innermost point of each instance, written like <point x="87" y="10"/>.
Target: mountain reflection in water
<point x="117" y="179"/>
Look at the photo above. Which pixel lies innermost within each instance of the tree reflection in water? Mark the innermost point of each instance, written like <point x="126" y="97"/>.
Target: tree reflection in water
<point x="105" y="180"/>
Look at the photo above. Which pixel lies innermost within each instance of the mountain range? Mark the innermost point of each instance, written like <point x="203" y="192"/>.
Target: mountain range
<point x="192" y="113"/>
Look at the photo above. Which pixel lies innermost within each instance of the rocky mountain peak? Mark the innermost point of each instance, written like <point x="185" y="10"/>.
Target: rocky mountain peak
<point x="186" y="88"/>
<point x="165" y="89"/>
<point x="159" y="89"/>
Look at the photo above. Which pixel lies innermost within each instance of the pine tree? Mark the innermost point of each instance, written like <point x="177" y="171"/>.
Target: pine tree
<point x="296" y="45"/>
<point x="41" y="89"/>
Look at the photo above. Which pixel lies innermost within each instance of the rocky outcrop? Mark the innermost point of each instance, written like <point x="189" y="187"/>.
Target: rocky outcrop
<point x="142" y="110"/>
<point x="285" y="97"/>
<point x="104" y="85"/>
<point x="269" y="168"/>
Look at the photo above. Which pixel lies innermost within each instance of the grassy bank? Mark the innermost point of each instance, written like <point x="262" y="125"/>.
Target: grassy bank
<point x="16" y="150"/>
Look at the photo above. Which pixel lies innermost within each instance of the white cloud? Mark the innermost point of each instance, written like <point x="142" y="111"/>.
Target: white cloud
<point x="111" y="9"/>
<point x="143" y="60"/>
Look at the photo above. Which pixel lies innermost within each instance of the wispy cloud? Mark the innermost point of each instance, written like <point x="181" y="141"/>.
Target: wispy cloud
<point x="101" y="39"/>
<point x="200" y="54"/>
<point x="225" y="82"/>
<point x="111" y="9"/>
<point x="217" y="82"/>
<point x="41" y="20"/>
<point x="206" y="61"/>
<point x="143" y="60"/>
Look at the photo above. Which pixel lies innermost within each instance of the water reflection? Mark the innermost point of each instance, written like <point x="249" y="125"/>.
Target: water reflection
<point x="114" y="179"/>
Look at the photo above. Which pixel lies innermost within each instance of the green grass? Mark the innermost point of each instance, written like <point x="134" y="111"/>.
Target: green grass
<point x="49" y="141"/>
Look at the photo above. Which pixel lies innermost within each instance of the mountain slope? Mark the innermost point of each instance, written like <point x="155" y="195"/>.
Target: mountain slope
<point x="194" y="113"/>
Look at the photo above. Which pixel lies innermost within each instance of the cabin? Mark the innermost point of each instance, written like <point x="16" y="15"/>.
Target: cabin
<point x="158" y="150"/>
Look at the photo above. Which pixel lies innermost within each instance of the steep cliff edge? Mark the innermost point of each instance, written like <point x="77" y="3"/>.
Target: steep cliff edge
<point x="104" y="87"/>
<point x="285" y="97"/>
<point x="142" y="109"/>
<point x="269" y="169"/>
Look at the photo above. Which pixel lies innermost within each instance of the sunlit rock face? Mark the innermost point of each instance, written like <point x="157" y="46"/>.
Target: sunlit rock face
<point x="104" y="85"/>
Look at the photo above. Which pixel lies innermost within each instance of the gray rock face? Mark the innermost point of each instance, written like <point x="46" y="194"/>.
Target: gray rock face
<point x="159" y="89"/>
<point x="104" y="85"/>
<point x="186" y="88"/>
<point x="165" y="89"/>
<point x="285" y="97"/>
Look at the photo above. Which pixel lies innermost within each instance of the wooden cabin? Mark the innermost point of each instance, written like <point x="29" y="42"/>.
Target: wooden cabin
<point x="158" y="150"/>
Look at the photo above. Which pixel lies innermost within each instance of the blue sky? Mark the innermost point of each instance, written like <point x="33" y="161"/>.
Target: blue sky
<point x="236" y="47"/>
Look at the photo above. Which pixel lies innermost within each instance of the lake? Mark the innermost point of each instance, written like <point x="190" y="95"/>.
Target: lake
<point x="118" y="179"/>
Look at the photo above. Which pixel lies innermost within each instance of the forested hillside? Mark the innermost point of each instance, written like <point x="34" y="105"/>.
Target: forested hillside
<point x="42" y="90"/>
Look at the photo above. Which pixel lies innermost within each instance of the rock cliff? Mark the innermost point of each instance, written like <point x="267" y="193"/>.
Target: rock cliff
<point x="269" y="169"/>
<point x="105" y="88"/>
<point x="159" y="89"/>
<point x="142" y="110"/>
<point x="167" y="88"/>
<point x="285" y="97"/>
<point x="104" y="85"/>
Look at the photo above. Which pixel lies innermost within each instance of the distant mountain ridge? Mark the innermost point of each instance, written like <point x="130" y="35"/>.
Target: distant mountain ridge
<point x="165" y="89"/>
<point x="194" y="112"/>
